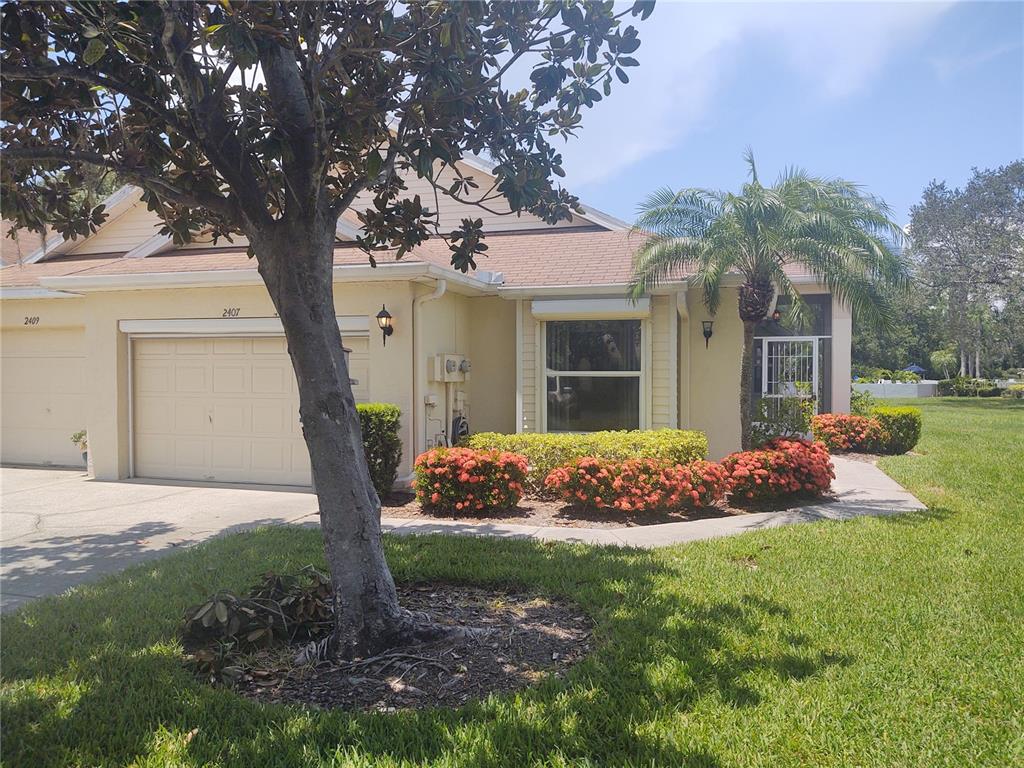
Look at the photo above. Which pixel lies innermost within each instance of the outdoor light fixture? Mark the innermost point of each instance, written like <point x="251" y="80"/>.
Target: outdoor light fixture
<point x="707" y="331"/>
<point x="776" y="315"/>
<point x="384" y="321"/>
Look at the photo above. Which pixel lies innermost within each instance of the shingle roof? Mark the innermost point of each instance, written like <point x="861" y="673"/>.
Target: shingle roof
<point x="556" y="257"/>
<point x="538" y="258"/>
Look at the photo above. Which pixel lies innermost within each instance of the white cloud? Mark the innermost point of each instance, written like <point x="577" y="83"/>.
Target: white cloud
<point x="834" y="49"/>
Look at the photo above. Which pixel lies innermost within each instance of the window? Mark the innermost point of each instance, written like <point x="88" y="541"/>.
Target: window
<point x="593" y="375"/>
<point x="788" y="359"/>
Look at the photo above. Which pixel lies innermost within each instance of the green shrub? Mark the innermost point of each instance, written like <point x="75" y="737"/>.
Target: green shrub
<point x="988" y="389"/>
<point x="781" y="417"/>
<point x="380" y="423"/>
<point x="861" y="403"/>
<point x="901" y="428"/>
<point x="1015" y="391"/>
<point x="544" y="452"/>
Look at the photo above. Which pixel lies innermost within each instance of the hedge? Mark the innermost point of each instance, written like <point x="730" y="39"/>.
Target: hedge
<point x="963" y="386"/>
<point x="1014" y="391"/>
<point x="848" y="432"/>
<point x="545" y="452"/>
<point x="784" y="467"/>
<point x="380" y="423"/>
<point x="638" y="485"/>
<point x="467" y="480"/>
<point x="901" y="427"/>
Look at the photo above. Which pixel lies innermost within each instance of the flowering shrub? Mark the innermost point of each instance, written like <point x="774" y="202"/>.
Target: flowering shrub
<point x="466" y="480"/>
<point x="846" y="432"/>
<point x="546" y="451"/>
<point x="781" y="467"/>
<point x="637" y="485"/>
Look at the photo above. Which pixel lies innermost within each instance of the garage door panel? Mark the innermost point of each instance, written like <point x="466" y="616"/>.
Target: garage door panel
<point x="192" y="347"/>
<point x="191" y="418"/>
<point x="230" y="380"/>
<point x="152" y="377"/>
<point x="191" y="378"/>
<point x="42" y="395"/>
<point x="270" y="380"/>
<point x="232" y="418"/>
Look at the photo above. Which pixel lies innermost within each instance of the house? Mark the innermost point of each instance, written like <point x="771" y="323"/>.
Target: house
<point x="173" y="360"/>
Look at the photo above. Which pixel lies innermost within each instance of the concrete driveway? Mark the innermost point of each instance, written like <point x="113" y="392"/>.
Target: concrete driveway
<point x="58" y="528"/>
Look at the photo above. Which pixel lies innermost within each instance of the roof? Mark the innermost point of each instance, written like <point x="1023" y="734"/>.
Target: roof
<point x="534" y="258"/>
<point x="541" y="259"/>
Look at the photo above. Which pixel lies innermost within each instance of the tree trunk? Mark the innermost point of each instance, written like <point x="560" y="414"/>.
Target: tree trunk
<point x="755" y="297"/>
<point x="296" y="265"/>
<point x="963" y="361"/>
<point x="746" y="402"/>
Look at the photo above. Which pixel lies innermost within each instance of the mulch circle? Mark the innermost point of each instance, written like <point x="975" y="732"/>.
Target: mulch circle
<point x="528" y="638"/>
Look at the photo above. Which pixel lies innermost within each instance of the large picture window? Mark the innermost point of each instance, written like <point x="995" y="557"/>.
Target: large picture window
<point x="592" y="370"/>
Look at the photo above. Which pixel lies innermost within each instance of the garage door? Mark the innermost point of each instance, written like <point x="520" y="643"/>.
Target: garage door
<point x="43" y="396"/>
<point x="222" y="409"/>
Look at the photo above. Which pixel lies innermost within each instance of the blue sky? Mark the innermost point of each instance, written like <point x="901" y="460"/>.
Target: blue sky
<point x="889" y="95"/>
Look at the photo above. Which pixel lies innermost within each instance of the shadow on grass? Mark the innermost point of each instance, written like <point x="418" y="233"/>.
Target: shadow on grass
<point x="96" y="676"/>
<point x="921" y="516"/>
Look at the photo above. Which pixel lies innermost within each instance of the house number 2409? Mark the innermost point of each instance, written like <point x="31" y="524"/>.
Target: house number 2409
<point x="231" y="311"/>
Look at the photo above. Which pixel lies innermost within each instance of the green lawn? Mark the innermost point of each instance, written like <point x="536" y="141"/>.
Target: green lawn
<point x="878" y="642"/>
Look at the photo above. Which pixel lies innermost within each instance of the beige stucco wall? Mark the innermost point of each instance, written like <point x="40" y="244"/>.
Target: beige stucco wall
<point x="714" y="380"/>
<point x="491" y="323"/>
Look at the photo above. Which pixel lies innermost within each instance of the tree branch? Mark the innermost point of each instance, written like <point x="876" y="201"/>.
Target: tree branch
<point x="139" y="175"/>
<point x="69" y="72"/>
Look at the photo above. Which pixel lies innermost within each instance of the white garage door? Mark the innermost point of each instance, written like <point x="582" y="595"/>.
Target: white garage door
<point x="43" y="396"/>
<point x="222" y="409"/>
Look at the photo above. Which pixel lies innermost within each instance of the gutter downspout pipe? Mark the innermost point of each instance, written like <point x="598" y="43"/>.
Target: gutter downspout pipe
<point x="419" y="374"/>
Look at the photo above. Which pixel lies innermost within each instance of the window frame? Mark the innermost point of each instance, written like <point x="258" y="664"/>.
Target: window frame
<point x="642" y="375"/>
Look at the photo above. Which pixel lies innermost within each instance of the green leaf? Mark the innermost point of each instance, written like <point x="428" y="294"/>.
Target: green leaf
<point x="373" y="164"/>
<point x="222" y="612"/>
<point x="94" y="51"/>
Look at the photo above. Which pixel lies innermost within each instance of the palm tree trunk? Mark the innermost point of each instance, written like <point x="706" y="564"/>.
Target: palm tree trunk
<point x="746" y="401"/>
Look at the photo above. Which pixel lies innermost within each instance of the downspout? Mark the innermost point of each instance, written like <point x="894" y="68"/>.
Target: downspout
<point x="419" y="373"/>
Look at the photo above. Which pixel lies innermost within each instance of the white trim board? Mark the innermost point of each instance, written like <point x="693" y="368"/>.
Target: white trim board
<point x="350" y="325"/>
<point x="591" y="309"/>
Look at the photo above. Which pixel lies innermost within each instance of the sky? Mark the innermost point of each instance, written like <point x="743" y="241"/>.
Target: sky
<point x="888" y="95"/>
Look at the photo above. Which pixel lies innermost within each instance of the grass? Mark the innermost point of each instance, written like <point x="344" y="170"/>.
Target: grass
<point x="876" y="642"/>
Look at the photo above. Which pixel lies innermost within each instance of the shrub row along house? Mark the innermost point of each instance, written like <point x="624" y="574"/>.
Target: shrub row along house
<point x="172" y="360"/>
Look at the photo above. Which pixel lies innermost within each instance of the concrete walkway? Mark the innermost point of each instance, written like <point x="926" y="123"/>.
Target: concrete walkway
<point x="58" y="528"/>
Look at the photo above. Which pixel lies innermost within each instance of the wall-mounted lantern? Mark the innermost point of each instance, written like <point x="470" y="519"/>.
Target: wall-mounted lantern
<point x="776" y="315"/>
<point x="384" y="321"/>
<point x="706" y="325"/>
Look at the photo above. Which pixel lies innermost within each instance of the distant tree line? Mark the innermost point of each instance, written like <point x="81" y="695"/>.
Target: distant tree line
<point x="967" y="251"/>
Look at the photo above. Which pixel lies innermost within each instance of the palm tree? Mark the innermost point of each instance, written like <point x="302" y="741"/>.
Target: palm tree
<point x="829" y="227"/>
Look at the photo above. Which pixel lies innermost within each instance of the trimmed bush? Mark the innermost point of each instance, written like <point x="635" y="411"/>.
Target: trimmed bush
<point x="468" y="480"/>
<point x="784" y="467"/>
<point x="847" y="432"/>
<point x="545" y="452"/>
<point x="380" y="423"/>
<point x="901" y="428"/>
<point x="1014" y="391"/>
<point x="637" y="485"/>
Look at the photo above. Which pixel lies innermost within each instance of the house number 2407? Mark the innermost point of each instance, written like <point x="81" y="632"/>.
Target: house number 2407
<point x="34" y="320"/>
<point x="231" y="311"/>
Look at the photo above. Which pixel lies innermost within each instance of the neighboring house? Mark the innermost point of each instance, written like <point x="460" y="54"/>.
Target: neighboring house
<point x="173" y="360"/>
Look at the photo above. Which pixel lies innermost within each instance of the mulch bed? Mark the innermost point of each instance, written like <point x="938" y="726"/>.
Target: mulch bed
<point x="540" y="512"/>
<point x="528" y="638"/>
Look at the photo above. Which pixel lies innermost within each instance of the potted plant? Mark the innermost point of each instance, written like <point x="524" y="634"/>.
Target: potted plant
<point x="81" y="440"/>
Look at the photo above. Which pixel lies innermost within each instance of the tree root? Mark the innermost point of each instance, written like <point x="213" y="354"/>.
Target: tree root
<point x="410" y="631"/>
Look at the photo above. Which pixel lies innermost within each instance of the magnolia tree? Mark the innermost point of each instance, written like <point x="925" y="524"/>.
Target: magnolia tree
<point x="268" y="120"/>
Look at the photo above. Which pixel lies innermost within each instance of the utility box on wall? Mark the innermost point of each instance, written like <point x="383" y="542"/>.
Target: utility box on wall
<point x="450" y="368"/>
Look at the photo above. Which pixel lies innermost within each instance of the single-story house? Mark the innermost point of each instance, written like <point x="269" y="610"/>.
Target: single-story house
<point x="173" y="360"/>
